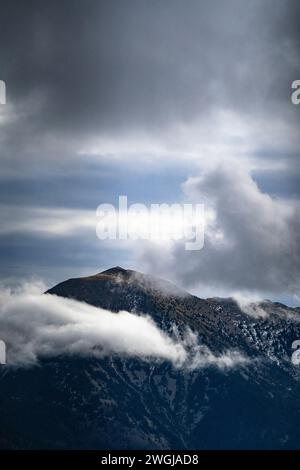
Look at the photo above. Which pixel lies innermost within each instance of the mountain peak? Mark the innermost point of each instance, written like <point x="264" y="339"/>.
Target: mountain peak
<point x="115" y="270"/>
<point x="117" y="289"/>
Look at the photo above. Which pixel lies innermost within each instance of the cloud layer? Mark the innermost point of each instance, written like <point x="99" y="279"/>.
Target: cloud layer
<point x="36" y="326"/>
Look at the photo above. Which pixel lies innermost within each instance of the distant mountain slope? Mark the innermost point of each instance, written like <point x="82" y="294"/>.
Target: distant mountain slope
<point x="128" y="403"/>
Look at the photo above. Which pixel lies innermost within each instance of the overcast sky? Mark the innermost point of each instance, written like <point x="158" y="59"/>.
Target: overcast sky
<point x="162" y="101"/>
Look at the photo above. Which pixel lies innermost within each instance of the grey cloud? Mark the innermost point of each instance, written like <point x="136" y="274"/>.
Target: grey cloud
<point x="107" y="65"/>
<point x="253" y="244"/>
<point x="139" y="71"/>
<point x="83" y="70"/>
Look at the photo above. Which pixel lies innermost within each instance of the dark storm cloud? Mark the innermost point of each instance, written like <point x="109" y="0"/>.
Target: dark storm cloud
<point x="78" y="71"/>
<point x="103" y="65"/>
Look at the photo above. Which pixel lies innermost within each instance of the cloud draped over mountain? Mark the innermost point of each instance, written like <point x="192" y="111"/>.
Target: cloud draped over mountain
<point x="36" y="326"/>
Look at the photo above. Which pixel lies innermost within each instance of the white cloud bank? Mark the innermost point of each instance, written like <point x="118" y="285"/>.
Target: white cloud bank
<point x="35" y="325"/>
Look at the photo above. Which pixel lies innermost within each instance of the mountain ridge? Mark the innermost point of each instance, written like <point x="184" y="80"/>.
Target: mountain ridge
<point x="119" y="402"/>
<point x="120" y="273"/>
